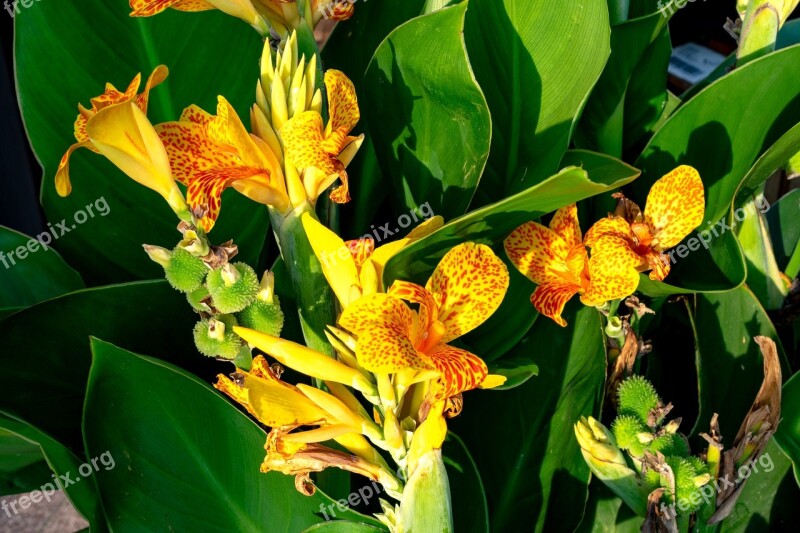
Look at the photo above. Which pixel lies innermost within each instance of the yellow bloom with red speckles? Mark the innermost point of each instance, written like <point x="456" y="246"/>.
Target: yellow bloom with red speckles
<point x="355" y="268"/>
<point x="243" y="9"/>
<point x="675" y="206"/>
<point x="555" y="258"/>
<point x="466" y="288"/>
<point x="322" y="152"/>
<point x="117" y="127"/>
<point x="209" y="153"/>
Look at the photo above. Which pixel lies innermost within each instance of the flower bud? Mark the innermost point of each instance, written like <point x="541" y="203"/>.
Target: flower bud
<point x="232" y="287"/>
<point x="215" y="337"/>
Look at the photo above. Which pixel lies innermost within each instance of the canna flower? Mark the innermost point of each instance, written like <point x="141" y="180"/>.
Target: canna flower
<point x="675" y="206"/>
<point x="243" y="9"/>
<point x="355" y="268"/>
<point x="209" y="153"/>
<point x="555" y="259"/>
<point x="117" y="127"/>
<point x="467" y="286"/>
<point x="322" y="152"/>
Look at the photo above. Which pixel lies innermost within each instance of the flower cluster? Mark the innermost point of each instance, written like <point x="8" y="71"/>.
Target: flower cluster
<point x="622" y="245"/>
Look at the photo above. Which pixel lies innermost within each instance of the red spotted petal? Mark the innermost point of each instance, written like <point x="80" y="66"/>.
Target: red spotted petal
<point x="459" y="370"/>
<point x="550" y="298"/>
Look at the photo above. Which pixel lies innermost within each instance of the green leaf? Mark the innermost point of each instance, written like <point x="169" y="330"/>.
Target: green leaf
<point x="31" y="277"/>
<point x="185" y="458"/>
<point x="763" y="274"/>
<point x="523" y="439"/>
<point x="82" y="493"/>
<point x="607" y="513"/>
<point x="788" y="434"/>
<point x="433" y="141"/>
<point x="784" y="227"/>
<point x="729" y="362"/>
<point x="22" y="467"/>
<point x="46" y="387"/>
<point x="342" y="526"/>
<point x="209" y="53"/>
<point x="492" y="223"/>
<point x="470" y="509"/>
<point x="707" y="132"/>
<point x="536" y="63"/>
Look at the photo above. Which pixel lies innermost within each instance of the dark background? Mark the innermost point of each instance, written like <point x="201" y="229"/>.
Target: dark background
<point x="21" y="176"/>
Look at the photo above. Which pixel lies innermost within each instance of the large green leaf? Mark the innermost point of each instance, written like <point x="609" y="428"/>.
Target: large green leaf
<point x="729" y="362"/>
<point x="470" y="510"/>
<point x="492" y="223"/>
<point x="784" y="227"/>
<point x="45" y="355"/>
<point x="433" y="140"/>
<point x="764" y="277"/>
<point x="523" y="439"/>
<point x="707" y="132"/>
<point x="788" y="434"/>
<point x="536" y="63"/>
<point x="22" y="466"/>
<point x="95" y="42"/>
<point x="33" y="276"/>
<point x="185" y="458"/>
<point x="67" y="467"/>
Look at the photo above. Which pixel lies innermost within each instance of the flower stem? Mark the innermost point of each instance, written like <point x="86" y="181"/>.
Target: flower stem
<point x="426" y="498"/>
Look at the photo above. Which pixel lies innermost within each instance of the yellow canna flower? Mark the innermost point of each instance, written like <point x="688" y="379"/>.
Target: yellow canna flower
<point x="117" y="127"/>
<point x="209" y="153"/>
<point x="467" y="286"/>
<point x="555" y="259"/>
<point x="243" y="9"/>
<point x="675" y="206"/>
<point x="322" y="152"/>
<point x="355" y="268"/>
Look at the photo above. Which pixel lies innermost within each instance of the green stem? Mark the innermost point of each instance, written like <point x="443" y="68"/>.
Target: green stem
<point x="315" y="299"/>
<point x="426" y="502"/>
<point x="762" y="21"/>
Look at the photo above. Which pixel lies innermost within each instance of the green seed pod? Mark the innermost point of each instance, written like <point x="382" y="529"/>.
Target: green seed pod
<point x="670" y="444"/>
<point x="196" y="298"/>
<point x="637" y="396"/>
<point x="631" y="434"/>
<point x="185" y="272"/>
<point x="232" y="287"/>
<point x="215" y="337"/>
<point x="685" y="486"/>
<point x="700" y="466"/>
<point x="264" y="317"/>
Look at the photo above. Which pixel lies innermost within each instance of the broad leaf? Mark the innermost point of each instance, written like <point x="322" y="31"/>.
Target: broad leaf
<point x="95" y="42"/>
<point x="433" y="140"/>
<point x="186" y="458"/>
<point x="523" y="439"/>
<point x="788" y="434"/>
<point x="31" y="273"/>
<point x="784" y="228"/>
<point x="536" y="63"/>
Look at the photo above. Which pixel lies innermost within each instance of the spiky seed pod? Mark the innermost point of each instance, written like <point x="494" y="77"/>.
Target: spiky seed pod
<point x="686" y="486"/>
<point x="630" y="434"/>
<point x="185" y="272"/>
<point x="670" y="444"/>
<point x="637" y="396"/>
<point x="196" y="298"/>
<point x="699" y="465"/>
<point x="214" y="337"/>
<point x="262" y="316"/>
<point x="233" y="287"/>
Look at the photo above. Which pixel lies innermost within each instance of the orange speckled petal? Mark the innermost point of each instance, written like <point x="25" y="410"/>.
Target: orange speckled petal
<point x="148" y="8"/>
<point x="411" y="292"/>
<point x="378" y="310"/>
<point x="196" y="114"/>
<point x="538" y="252"/>
<point x="550" y="298"/>
<point x="659" y="264"/>
<point x="191" y="153"/>
<point x="193" y="5"/>
<point x="112" y="96"/>
<point x="468" y="285"/>
<point x="612" y="273"/>
<point x="459" y="370"/>
<point x="63" y="184"/>
<point x="205" y="190"/>
<point x="360" y="250"/>
<point x="612" y="225"/>
<point x="156" y="77"/>
<point x="302" y="142"/>
<point x="342" y="105"/>
<point x="565" y="224"/>
<point x="675" y="207"/>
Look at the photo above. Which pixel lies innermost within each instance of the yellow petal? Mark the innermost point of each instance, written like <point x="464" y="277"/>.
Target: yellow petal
<point x="334" y="256"/>
<point x="612" y="272"/>
<point x="550" y="298"/>
<point x="675" y="207"/>
<point x="342" y="105"/>
<point x="459" y="370"/>
<point x="63" y="183"/>
<point x="338" y="409"/>
<point x="411" y="292"/>
<point x="492" y="381"/>
<point x="565" y="224"/>
<point x="659" y="264"/>
<point x="302" y="142"/>
<point x="468" y="285"/>
<point x="610" y="226"/>
<point x="319" y="434"/>
<point x="148" y="8"/>
<point x="123" y="134"/>
<point x="539" y="253"/>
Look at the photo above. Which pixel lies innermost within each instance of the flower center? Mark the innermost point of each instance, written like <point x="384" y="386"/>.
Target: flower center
<point x="432" y="337"/>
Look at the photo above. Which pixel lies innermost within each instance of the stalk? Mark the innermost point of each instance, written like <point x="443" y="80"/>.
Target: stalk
<point x="426" y="502"/>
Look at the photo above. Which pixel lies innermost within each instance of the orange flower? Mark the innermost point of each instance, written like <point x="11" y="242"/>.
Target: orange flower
<point x="556" y="260"/>
<point x="675" y="206"/>
<point x="467" y="286"/>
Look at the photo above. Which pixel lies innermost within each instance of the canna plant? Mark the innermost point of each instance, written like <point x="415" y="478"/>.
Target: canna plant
<point x="353" y="306"/>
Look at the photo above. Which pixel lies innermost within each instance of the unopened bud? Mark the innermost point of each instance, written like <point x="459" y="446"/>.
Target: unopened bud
<point x="158" y="254"/>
